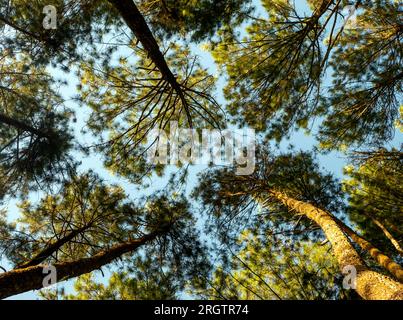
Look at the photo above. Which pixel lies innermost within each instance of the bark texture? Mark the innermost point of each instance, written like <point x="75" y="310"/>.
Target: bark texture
<point x="371" y="285"/>
<point x="375" y="253"/>
<point x="31" y="278"/>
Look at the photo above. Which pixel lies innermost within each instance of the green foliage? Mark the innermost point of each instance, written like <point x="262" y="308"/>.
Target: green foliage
<point x="276" y="72"/>
<point x="83" y="203"/>
<point x="367" y="86"/>
<point x="198" y="18"/>
<point x="268" y="269"/>
<point x="279" y="254"/>
<point x="129" y="100"/>
<point x="273" y="72"/>
<point x="231" y="198"/>
<point x="101" y="217"/>
<point x="78" y="22"/>
<point x="34" y="149"/>
<point x="146" y="282"/>
<point x="375" y="191"/>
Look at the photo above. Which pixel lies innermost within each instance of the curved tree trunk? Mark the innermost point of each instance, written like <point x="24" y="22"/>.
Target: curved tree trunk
<point x="31" y="278"/>
<point x="370" y="285"/>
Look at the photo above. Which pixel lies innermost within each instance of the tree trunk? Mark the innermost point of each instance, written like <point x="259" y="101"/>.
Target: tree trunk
<point x="17" y="28"/>
<point x="137" y="24"/>
<point x="375" y="253"/>
<point x="370" y="285"/>
<point x="31" y="278"/>
<point x="388" y="235"/>
<point x="4" y="119"/>
<point x="52" y="248"/>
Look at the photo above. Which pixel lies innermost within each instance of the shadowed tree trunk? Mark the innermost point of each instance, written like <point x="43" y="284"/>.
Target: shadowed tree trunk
<point x="52" y="248"/>
<point x="388" y="235"/>
<point x="137" y="24"/>
<point x="17" y="28"/>
<point x="4" y="119"/>
<point x="31" y="278"/>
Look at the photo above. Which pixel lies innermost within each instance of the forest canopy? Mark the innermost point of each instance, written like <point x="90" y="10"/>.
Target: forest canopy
<point x="292" y="192"/>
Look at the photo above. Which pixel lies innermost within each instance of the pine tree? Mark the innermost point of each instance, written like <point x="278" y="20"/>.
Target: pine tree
<point x="34" y="135"/>
<point x="296" y="184"/>
<point x="90" y="225"/>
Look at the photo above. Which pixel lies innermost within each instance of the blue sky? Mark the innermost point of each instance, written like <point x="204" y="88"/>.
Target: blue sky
<point x="332" y="162"/>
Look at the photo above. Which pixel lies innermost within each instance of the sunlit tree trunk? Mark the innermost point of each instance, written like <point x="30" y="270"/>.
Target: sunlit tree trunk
<point x="375" y="253"/>
<point x="370" y="285"/>
<point x="388" y="235"/>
